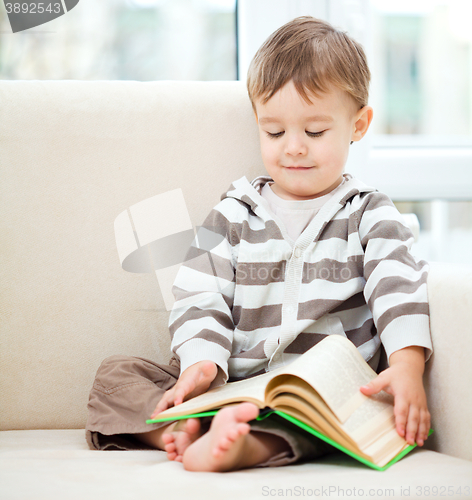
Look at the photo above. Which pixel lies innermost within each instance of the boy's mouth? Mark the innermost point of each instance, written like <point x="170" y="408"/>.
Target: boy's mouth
<point x="297" y="167"/>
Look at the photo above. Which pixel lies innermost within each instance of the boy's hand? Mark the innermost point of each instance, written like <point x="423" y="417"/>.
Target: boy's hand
<point x="195" y="380"/>
<point x="404" y="380"/>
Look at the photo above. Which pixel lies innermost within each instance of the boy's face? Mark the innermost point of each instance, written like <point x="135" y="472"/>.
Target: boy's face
<point x="305" y="146"/>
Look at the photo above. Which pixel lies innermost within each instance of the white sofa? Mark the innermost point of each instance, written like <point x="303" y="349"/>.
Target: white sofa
<point x="74" y="155"/>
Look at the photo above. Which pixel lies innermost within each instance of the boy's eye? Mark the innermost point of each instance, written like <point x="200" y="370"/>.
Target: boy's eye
<point x="315" y="134"/>
<point x="309" y="134"/>
<point x="274" y="136"/>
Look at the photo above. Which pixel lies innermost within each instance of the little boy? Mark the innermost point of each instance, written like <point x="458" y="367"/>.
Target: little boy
<point x="304" y="252"/>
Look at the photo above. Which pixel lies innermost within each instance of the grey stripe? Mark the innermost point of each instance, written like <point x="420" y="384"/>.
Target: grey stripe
<point x="259" y="372"/>
<point x="337" y="228"/>
<point x="257" y="352"/>
<point x="357" y="300"/>
<point x="181" y="294"/>
<point x="249" y="201"/>
<point x="332" y="270"/>
<point x="210" y="264"/>
<point x="303" y="342"/>
<point x="363" y="334"/>
<point x="401" y="310"/>
<point x="270" y="232"/>
<point x="377" y="200"/>
<point x="353" y="192"/>
<point x="315" y="309"/>
<point x="400" y="254"/>
<point x="260" y="273"/>
<point x="248" y="320"/>
<point x="388" y="230"/>
<point x="342" y="228"/>
<point x="210" y="336"/>
<point x="396" y="284"/>
<point x="195" y="313"/>
<point x="216" y="222"/>
<point x="227" y="192"/>
<point x="371" y="201"/>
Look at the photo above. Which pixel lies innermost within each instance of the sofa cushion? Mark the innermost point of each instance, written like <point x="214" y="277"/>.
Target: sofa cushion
<point x="50" y="464"/>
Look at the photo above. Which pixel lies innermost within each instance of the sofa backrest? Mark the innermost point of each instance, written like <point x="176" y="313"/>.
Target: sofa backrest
<point x="73" y="156"/>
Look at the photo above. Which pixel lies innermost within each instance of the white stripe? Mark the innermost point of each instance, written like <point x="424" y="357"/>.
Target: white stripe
<point x="385" y="269"/>
<point x="368" y="349"/>
<point x="354" y="318"/>
<point x="379" y="248"/>
<point x="257" y="335"/>
<point x="320" y="289"/>
<point x="192" y="327"/>
<point x="241" y="367"/>
<point x="202" y="301"/>
<point x="269" y="251"/>
<point x="200" y="349"/>
<point x="194" y="281"/>
<point x="407" y="331"/>
<point x="232" y="210"/>
<point x="259" y="295"/>
<point x="380" y="214"/>
<point x="386" y="302"/>
<point x="320" y="326"/>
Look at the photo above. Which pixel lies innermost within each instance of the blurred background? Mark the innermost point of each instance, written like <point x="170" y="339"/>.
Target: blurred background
<point x="420" y="54"/>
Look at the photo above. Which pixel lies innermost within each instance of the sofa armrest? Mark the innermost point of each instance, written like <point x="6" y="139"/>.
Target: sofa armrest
<point x="448" y="374"/>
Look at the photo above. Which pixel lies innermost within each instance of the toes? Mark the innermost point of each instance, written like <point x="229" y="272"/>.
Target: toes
<point x="233" y="434"/>
<point x="171" y="448"/>
<point x="243" y="429"/>
<point x="246" y="412"/>
<point x="167" y="438"/>
<point x="192" y="425"/>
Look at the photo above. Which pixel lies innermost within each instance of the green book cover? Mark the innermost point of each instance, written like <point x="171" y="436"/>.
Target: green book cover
<point x="305" y="427"/>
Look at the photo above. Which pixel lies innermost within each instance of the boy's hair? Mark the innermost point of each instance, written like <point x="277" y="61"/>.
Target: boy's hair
<point x="313" y="54"/>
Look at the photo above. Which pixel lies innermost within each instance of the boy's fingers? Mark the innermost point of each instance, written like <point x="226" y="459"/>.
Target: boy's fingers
<point x="412" y="425"/>
<point x="182" y="389"/>
<point x="401" y="416"/>
<point x="180" y="392"/>
<point x="423" y="428"/>
<point x="374" y="386"/>
<point x="165" y="402"/>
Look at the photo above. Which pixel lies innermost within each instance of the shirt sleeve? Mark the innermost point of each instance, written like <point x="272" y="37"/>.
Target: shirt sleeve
<point x="201" y="322"/>
<point x="396" y="283"/>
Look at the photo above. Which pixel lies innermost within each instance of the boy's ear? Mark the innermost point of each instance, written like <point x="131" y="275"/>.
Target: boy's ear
<point x="362" y="122"/>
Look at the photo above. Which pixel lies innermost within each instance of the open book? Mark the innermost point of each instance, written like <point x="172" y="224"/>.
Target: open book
<point x="319" y="392"/>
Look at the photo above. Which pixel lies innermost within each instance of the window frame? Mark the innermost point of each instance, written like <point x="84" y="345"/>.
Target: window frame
<point x="414" y="168"/>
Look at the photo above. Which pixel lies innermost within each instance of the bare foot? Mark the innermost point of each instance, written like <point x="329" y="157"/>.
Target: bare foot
<point x="180" y="436"/>
<point x="224" y="447"/>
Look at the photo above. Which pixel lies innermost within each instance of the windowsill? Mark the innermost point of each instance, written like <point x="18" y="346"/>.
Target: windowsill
<point x="422" y="173"/>
<point x="381" y="141"/>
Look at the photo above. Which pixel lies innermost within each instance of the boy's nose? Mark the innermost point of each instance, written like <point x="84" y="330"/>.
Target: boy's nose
<point x="295" y="146"/>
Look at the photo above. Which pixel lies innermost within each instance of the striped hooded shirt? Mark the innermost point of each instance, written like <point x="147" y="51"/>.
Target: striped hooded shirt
<point x="250" y="299"/>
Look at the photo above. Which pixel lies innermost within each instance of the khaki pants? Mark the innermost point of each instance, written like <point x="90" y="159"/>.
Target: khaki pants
<point x="126" y="391"/>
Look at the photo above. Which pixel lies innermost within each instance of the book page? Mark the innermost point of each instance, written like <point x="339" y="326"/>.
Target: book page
<point x="333" y="367"/>
<point x="386" y="447"/>
<point x="310" y="416"/>
<point x="336" y="370"/>
<point x="288" y="385"/>
<point x="371" y="419"/>
<point x="251" y="389"/>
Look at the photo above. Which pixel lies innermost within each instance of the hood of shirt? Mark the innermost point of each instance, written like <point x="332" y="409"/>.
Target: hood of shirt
<point x="249" y="193"/>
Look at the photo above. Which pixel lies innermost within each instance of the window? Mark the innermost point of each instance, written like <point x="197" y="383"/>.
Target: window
<point x="126" y="40"/>
<point x="420" y="55"/>
<point x="421" y="61"/>
<point x="422" y="67"/>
